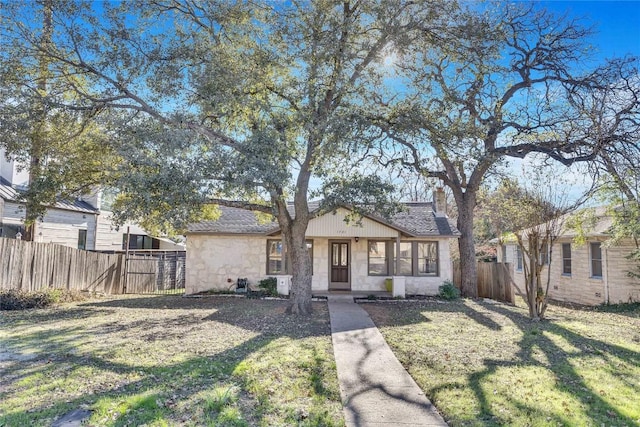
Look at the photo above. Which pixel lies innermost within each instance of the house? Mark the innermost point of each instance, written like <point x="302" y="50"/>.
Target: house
<point x="66" y="223"/>
<point x="79" y="223"/>
<point x="345" y="256"/>
<point x="592" y="273"/>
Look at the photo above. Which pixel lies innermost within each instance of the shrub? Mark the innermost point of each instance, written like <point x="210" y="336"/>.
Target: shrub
<point x="448" y="291"/>
<point x="21" y="300"/>
<point x="270" y="286"/>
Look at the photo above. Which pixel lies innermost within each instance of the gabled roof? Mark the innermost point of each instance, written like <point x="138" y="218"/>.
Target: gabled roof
<point x="417" y="220"/>
<point x="7" y="192"/>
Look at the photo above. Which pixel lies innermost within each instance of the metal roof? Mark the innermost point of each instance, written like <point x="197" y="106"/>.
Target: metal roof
<point x="7" y="192"/>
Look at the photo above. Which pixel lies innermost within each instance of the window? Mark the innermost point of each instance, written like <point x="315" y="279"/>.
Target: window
<point x="276" y="262"/>
<point x="378" y="260"/>
<point x="427" y="258"/>
<point x="504" y="254"/>
<point x="413" y="259"/>
<point x="596" y="259"/>
<point x="518" y="258"/>
<point x="140" y="241"/>
<point x="405" y="268"/>
<point x="566" y="259"/>
<point x="10" y="230"/>
<point x="544" y="254"/>
<point x="82" y="239"/>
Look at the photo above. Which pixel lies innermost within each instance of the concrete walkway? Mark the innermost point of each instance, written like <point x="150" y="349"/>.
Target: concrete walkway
<point x="375" y="388"/>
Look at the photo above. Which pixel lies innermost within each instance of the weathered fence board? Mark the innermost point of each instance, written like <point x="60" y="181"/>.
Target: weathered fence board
<point x="31" y="266"/>
<point x="494" y="280"/>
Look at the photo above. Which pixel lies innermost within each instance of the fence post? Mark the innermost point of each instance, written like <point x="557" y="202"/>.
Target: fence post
<point x="126" y="263"/>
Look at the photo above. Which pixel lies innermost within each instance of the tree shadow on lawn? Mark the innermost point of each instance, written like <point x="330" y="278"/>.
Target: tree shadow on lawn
<point x="165" y="302"/>
<point x="406" y="318"/>
<point x="59" y="313"/>
<point x="567" y="377"/>
<point x="159" y="389"/>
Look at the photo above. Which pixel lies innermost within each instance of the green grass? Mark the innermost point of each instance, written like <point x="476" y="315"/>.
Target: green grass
<point x="166" y="360"/>
<point x="487" y="364"/>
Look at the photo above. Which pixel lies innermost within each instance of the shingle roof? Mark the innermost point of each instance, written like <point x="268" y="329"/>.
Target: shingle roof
<point x="420" y="220"/>
<point x="417" y="220"/>
<point x="7" y="192"/>
<point x="234" y="221"/>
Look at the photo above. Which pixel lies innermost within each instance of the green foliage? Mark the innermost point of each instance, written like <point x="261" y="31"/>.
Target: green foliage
<point x="635" y="257"/>
<point x="365" y="194"/>
<point x="21" y="300"/>
<point x="582" y="222"/>
<point x="448" y="291"/>
<point x="222" y="107"/>
<point x="220" y="398"/>
<point x="270" y="285"/>
<point x="65" y="151"/>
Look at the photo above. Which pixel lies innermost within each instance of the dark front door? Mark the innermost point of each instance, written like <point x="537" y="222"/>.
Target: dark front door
<point x="340" y="261"/>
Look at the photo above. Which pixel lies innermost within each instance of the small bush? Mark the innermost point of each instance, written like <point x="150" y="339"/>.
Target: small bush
<point x="448" y="291"/>
<point x="270" y="286"/>
<point x="20" y="300"/>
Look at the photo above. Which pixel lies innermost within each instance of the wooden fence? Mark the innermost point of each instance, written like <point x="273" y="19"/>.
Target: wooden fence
<point x="31" y="266"/>
<point x="494" y="280"/>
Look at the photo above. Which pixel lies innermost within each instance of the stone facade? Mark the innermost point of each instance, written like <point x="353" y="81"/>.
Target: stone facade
<point x="214" y="262"/>
<point x="581" y="287"/>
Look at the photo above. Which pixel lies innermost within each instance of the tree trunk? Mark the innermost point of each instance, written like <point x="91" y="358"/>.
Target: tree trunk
<point x="532" y="279"/>
<point x="300" y="298"/>
<point x="38" y="139"/>
<point x="468" y="268"/>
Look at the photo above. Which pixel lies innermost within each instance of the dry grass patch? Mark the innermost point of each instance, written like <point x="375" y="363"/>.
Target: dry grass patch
<point x="166" y="360"/>
<point x="486" y="364"/>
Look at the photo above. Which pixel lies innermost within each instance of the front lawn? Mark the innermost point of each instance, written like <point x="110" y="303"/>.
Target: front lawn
<point x="168" y="360"/>
<point x="485" y="364"/>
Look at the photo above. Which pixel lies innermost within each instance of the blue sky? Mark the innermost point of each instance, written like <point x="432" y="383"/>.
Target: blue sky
<point x="617" y="23"/>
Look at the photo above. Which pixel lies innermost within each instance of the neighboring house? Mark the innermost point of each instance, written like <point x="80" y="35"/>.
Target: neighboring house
<point x="590" y="274"/>
<point x="78" y="224"/>
<point x="66" y="223"/>
<point x="344" y="256"/>
<point x="111" y="237"/>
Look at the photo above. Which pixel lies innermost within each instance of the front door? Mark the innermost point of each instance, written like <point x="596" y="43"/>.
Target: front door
<point x="340" y="266"/>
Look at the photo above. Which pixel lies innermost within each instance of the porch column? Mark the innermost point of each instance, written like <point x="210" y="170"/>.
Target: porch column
<point x="397" y="263"/>
<point x="286" y="261"/>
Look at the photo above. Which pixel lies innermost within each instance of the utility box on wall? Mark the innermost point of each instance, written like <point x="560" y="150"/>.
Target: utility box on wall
<point x="399" y="285"/>
<point x="284" y="283"/>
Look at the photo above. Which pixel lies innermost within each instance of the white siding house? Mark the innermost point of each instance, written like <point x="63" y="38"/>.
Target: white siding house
<point x="66" y="223"/>
<point x="79" y="223"/>
<point x="345" y="256"/>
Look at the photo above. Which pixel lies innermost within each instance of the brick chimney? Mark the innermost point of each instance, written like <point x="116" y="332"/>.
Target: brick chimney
<point x="439" y="202"/>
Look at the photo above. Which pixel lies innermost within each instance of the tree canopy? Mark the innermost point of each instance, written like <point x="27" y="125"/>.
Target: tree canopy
<point x="509" y="81"/>
<point x="234" y="103"/>
<point x="65" y="152"/>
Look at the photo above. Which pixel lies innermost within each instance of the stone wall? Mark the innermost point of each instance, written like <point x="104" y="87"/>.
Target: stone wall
<point x="214" y="260"/>
<point x="580" y="286"/>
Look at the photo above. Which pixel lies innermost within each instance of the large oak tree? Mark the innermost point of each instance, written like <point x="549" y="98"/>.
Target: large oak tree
<point x="234" y="103"/>
<point x="508" y="82"/>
